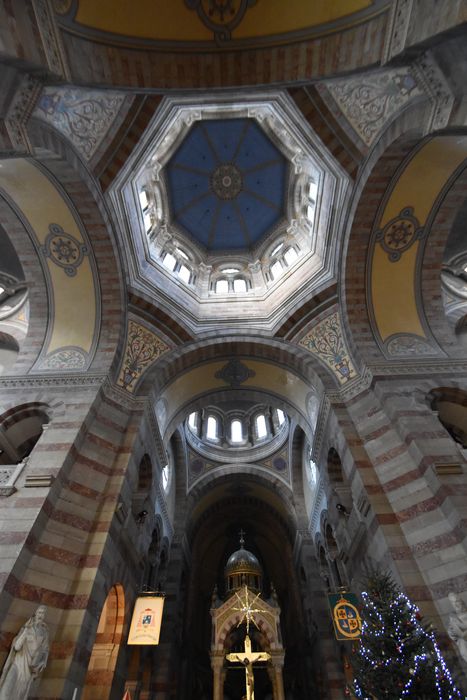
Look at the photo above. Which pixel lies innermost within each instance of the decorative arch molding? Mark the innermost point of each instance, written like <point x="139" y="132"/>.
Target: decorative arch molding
<point x="281" y="353"/>
<point x="109" y="636"/>
<point x="65" y="255"/>
<point x="383" y="161"/>
<point x="274" y="497"/>
<point x="397" y="244"/>
<point x="61" y="161"/>
<point x="445" y="304"/>
<point x="37" y="305"/>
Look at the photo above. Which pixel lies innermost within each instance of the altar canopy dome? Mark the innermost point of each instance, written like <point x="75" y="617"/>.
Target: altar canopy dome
<point x="243" y="569"/>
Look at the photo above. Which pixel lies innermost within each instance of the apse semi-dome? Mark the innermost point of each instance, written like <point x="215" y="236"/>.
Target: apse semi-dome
<point x="226" y="184"/>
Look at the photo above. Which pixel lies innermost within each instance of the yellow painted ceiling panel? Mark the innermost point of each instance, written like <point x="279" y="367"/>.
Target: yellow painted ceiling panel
<point x="424" y="176"/>
<point x="393" y="293"/>
<point x="73" y="298"/>
<point x="173" y="21"/>
<point x="268" y="377"/>
<point x="393" y="283"/>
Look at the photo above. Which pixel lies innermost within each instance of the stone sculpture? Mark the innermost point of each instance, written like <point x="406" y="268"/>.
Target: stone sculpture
<point x="457" y="629"/>
<point x="27" y="658"/>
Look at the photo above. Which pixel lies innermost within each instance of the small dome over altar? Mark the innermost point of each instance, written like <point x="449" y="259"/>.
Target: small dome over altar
<point x="243" y="569"/>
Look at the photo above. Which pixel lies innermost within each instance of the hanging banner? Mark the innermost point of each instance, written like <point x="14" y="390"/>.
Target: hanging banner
<point x="146" y="621"/>
<point x="345" y="616"/>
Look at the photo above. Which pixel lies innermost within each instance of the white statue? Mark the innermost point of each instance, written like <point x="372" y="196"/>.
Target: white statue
<point x="27" y="658"/>
<point x="457" y="629"/>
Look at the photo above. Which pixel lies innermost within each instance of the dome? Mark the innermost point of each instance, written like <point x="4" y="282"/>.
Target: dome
<point x="243" y="569"/>
<point x="242" y="559"/>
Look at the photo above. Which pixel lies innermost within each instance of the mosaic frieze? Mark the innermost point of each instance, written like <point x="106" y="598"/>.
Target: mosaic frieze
<point x="326" y="341"/>
<point x="82" y="116"/>
<point x="143" y="347"/>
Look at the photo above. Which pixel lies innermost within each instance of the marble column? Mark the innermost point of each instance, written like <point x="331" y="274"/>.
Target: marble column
<point x="278" y="681"/>
<point x="217" y="664"/>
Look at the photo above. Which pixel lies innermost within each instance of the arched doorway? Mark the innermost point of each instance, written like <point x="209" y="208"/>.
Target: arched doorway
<point x="243" y="502"/>
<point x="100" y="675"/>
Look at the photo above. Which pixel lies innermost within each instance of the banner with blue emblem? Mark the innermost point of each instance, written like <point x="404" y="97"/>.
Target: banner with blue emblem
<point x="345" y="616"/>
<point x="146" y="621"/>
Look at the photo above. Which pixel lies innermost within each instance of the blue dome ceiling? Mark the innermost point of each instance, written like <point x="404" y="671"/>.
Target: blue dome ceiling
<point x="226" y="184"/>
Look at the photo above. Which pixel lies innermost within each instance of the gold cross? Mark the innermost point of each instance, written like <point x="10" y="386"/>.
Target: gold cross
<point x="248" y="658"/>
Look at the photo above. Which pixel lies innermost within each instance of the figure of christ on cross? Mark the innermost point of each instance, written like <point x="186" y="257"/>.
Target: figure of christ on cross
<point x="248" y="658"/>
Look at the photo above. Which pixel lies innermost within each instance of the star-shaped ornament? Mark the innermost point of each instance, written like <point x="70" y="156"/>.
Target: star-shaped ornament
<point x="247" y="602"/>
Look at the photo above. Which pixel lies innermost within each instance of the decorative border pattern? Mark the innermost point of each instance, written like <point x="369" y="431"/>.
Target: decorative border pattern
<point x="68" y="358"/>
<point x="406" y="344"/>
<point x="20" y="110"/>
<point x="50" y="35"/>
<point x="398" y="27"/>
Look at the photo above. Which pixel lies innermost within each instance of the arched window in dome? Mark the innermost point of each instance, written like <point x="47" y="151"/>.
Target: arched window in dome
<point x="145" y="208"/>
<point x="280" y="416"/>
<point x="290" y="256"/>
<point x="276" y="270"/>
<point x="311" y="471"/>
<point x="170" y="261"/>
<point x="165" y="477"/>
<point x="239" y="285"/>
<point x="222" y="286"/>
<point x="193" y="421"/>
<point x="236" y="431"/>
<point x="184" y="273"/>
<point x="261" y="429"/>
<point x="212" y="428"/>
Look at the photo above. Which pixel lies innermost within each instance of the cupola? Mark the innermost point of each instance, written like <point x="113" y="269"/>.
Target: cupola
<point x="243" y="569"/>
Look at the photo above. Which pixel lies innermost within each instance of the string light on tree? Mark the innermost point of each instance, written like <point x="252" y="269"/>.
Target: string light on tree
<point x="397" y="656"/>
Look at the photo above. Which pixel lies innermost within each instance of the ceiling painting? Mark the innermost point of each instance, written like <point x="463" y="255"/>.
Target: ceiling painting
<point x="67" y="260"/>
<point x="206" y="378"/>
<point x="202" y="20"/>
<point x="227" y="184"/>
<point x="398" y="243"/>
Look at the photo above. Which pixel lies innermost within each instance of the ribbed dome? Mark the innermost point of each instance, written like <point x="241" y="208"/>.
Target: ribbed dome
<point x="243" y="569"/>
<point x="240" y="559"/>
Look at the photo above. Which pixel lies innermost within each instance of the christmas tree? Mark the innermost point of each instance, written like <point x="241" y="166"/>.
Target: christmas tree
<point x="397" y="656"/>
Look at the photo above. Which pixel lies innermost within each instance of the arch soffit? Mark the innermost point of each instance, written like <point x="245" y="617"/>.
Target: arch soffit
<point x="279" y="352"/>
<point x="398" y="241"/>
<point x="394" y="144"/>
<point x="67" y="261"/>
<point x="204" y="499"/>
<point x="61" y="163"/>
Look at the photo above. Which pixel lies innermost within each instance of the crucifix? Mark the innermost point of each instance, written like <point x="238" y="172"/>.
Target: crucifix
<point x="248" y="658"/>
